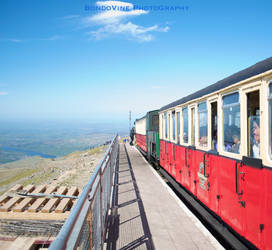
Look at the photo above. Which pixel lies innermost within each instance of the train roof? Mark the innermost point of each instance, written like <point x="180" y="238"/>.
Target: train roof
<point x="140" y="118"/>
<point x="151" y="111"/>
<point x="256" y="69"/>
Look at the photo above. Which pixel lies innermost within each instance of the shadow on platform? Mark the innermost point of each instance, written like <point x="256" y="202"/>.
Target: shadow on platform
<point x="128" y="227"/>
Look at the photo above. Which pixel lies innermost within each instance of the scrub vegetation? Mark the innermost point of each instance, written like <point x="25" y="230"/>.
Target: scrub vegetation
<point x="72" y="170"/>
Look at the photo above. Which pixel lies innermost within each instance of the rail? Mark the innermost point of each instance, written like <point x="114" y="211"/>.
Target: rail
<point x="85" y="226"/>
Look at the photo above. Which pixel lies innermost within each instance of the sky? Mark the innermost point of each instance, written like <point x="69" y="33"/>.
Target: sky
<point x="96" y="60"/>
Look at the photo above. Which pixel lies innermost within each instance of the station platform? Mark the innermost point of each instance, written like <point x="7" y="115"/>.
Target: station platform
<point x="146" y="213"/>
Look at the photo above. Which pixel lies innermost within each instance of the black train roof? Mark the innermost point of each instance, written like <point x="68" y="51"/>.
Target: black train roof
<point x="140" y="118"/>
<point x="155" y="110"/>
<point x="256" y="69"/>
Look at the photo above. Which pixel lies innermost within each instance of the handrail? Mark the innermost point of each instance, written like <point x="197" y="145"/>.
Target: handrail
<point x="206" y="154"/>
<point x="237" y="186"/>
<point x="71" y="231"/>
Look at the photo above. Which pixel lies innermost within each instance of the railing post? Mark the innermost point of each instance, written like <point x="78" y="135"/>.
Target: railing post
<point x="90" y="224"/>
<point x="101" y="208"/>
<point x="90" y="207"/>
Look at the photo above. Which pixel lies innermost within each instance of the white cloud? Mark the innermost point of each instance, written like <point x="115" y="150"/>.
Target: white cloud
<point x="3" y="93"/>
<point x="114" y="11"/>
<point x="115" y="3"/>
<point x="129" y="29"/>
<point x="113" y="21"/>
<point x="113" y="16"/>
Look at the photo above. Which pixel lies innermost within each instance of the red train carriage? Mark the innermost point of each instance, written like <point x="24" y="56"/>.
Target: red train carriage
<point x="140" y="133"/>
<point x="217" y="144"/>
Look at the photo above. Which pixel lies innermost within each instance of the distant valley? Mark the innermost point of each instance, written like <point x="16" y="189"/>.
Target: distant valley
<point x="51" y="140"/>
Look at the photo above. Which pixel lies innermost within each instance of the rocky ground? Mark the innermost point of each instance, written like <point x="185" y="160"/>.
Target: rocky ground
<point x="72" y="170"/>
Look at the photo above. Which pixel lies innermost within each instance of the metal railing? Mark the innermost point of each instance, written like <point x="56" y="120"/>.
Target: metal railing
<point x="85" y="226"/>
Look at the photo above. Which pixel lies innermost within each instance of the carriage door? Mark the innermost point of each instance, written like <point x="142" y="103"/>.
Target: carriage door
<point x="189" y="153"/>
<point x="212" y="166"/>
<point x="206" y="177"/>
<point x="250" y="177"/>
<point x="178" y="150"/>
<point x="168" y="156"/>
<point x="173" y="147"/>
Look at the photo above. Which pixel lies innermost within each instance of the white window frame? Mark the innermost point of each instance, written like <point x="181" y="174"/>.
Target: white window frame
<point x="190" y="107"/>
<point x="161" y="130"/>
<point x="172" y="131"/>
<point x="197" y="125"/>
<point x="181" y="128"/>
<point x="221" y="149"/>
<point x="178" y="136"/>
<point x="211" y="100"/>
<point x="244" y="119"/>
<point x="268" y="142"/>
<point x="165" y="114"/>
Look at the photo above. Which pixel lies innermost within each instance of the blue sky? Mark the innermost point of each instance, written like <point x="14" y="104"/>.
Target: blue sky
<point x="60" y="61"/>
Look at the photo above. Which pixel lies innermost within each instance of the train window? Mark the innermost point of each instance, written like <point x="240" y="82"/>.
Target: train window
<point x="253" y="115"/>
<point x="203" y="124"/>
<point x="193" y="126"/>
<point x="174" y="125"/>
<point x="185" y="125"/>
<point x="165" y="126"/>
<point x="231" y="123"/>
<point x="270" y="119"/>
<point x="214" y="125"/>
<point x="155" y="121"/>
<point x="178" y="127"/>
<point x="162" y="128"/>
<point x="169" y="126"/>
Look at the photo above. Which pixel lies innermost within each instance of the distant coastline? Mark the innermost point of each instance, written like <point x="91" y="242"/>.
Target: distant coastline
<point x="51" y="139"/>
<point x="27" y="152"/>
